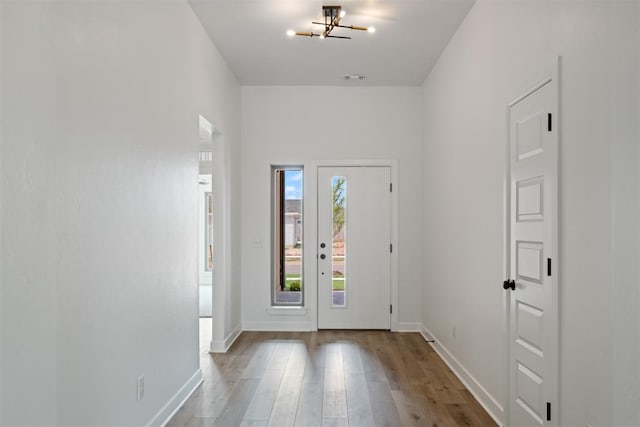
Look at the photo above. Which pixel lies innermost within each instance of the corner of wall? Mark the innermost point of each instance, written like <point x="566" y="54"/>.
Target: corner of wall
<point x="1" y="180"/>
<point x="484" y="398"/>
<point x="423" y="243"/>
<point x="222" y="346"/>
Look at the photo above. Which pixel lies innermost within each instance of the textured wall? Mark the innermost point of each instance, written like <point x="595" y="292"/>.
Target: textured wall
<point x="501" y="50"/>
<point x="99" y="205"/>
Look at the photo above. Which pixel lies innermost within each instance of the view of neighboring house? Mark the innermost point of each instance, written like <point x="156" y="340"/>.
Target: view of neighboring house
<point x="292" y="224"/>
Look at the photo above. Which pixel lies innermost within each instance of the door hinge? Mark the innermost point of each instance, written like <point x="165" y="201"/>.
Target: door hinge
<point x="391" y="187"/>
<point x="391" y="247"/>
<point x="548" y="411"/>
<point x="548" y="266"/>
<point x="549" y="122"/>
<point x="390" y="309"/>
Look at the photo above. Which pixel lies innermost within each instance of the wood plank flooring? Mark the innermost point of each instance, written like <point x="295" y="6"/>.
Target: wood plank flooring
<point x="329" y="378"/>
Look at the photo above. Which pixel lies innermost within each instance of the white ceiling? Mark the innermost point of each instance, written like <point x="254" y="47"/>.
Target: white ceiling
<point x="409" y="37"/>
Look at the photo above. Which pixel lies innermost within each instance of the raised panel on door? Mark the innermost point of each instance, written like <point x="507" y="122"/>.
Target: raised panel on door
<point x="533" y="323"/>
<point x="354" y="262"/>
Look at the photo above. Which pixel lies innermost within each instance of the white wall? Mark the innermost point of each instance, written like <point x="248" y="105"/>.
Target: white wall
<point x="29" y="301"/>
<point x="497" y="54"/>
<point x="1" y="138"/>
<point x="625" y="213"/>
<point x="298" y="125"/>
<point x="99" y="205"/>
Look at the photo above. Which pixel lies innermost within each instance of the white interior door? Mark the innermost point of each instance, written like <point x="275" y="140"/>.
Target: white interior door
<point x="354" y="247"/>
<point x="533" y="317"/>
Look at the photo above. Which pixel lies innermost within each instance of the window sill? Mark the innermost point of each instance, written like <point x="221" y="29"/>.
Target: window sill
<point x="287" y="311"/>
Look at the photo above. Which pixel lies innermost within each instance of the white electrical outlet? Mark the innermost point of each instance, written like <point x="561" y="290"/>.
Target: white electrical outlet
<point x="140" y="387"/>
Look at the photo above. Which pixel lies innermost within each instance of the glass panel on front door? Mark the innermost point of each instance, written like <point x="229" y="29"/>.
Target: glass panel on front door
<point x="339" y="242"/>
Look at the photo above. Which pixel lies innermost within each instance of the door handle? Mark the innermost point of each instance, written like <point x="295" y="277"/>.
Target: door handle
<point x="509" y="284"/>
<point x="322" y="256"/>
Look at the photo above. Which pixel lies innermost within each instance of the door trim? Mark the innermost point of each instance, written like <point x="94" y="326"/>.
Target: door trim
<point x="311" y="236"/>
<point x="553" y="75"/>
<point x="221" y="275"/>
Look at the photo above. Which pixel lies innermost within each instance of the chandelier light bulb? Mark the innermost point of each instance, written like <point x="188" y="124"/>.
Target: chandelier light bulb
<point x="342" y="13"/>
<point x="371" y="29"/>
<point x="291" y="33"/>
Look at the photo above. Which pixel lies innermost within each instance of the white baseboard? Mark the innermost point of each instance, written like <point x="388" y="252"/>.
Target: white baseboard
<point x="409" y="326"/>
<point x="484" y="398"/>
<point x="305" y="326"/>
<point x="222" y="346"/>
<point x="171" y="407"/>
<point x="295" y="326"/>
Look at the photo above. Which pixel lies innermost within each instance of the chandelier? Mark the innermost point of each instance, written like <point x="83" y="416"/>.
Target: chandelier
<point x="332" y="17"/>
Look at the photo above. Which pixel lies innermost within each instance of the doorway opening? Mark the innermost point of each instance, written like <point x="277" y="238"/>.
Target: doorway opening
<point x="205" y="225"/>
<point x="205" y="229"/>
<point x="214" y="237"/>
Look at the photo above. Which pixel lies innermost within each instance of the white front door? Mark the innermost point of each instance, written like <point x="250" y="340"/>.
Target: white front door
<point x="354" y="247"/>
<point x="533" y="288"/>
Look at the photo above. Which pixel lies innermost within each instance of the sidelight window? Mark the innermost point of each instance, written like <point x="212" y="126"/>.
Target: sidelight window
<point x="287" y="245"/>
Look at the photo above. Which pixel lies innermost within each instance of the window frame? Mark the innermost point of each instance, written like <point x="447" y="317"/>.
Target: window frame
<point x="277" y="203"/>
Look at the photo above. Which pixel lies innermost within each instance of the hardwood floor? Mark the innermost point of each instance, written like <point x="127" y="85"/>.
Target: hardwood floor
<point x="328" y="378"/>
